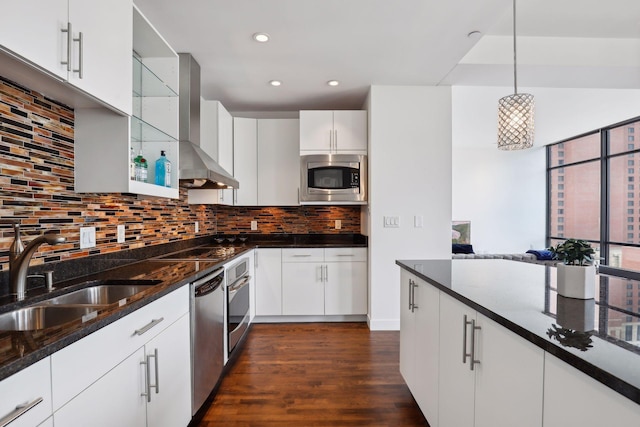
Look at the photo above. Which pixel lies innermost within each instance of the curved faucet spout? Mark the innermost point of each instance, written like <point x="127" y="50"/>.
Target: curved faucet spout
<point x="20" y="267"/>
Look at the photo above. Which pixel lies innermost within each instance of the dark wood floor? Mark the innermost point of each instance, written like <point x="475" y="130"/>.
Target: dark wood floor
<point x="315" y="374"/>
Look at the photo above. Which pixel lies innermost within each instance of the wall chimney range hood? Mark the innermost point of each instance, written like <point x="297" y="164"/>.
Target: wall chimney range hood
<point x="197" y="169"/>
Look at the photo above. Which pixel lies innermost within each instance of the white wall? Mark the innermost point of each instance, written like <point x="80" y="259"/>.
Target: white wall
<point x="409" y="174"/>
<point x="503" y="193"/>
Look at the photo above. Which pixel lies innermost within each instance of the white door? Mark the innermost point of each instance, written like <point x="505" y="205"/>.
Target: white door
<point x="245" y="161"/>
<point x="114" y="400"/>
<point x="31" y="29"/>
<point x="316" y="130"/>
<point x="350" y="130"/>
<point x="509" y="378"/>
<point x="105" y="52"/>
<point x="426" y="313"/>
<point x="345" y="288"/>
<point x="278" y="162"/>
<point x="268" y="267"/>
<point x="170" y="404"/>
<point x="457" y="381"/>
<point x="303" y="288"/>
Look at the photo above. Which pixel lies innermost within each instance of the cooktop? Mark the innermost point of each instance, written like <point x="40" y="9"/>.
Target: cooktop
<point x="200" y="253"/>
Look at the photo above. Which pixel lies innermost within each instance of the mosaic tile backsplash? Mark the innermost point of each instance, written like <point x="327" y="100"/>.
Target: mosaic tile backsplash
<point x="37" y="184"/>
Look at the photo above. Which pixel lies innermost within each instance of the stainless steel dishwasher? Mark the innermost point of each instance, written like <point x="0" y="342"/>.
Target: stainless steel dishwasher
<point x="207" y="335"/>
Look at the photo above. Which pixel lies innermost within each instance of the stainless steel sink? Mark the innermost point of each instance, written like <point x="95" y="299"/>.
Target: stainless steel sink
<point x="41" y="317"/>
<point x="98" y="295"/>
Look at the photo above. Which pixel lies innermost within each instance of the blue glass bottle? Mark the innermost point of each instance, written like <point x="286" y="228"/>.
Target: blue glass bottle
<point x="163" y="171"/>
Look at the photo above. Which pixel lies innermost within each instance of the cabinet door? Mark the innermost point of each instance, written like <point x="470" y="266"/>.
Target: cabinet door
<point x="456" y="383"/>
<point x="508" y="378"/>
<point x="170" y="404"/>
<point x="572" y="398"/>
<point x="427" y="308"/>
<point x="225" y="149"/>
<point x="114" y="400"/>
<point x="278" y="162"/>
<point x="245" y="161"/>
<point x="408" y="333"/>
<point x="302" y="288"/>
<point x="345" y="288"/>
<point x="27" y="386"/>
<point x="268" y="267"/>
<point x="31" y="29"/>
<point x="316" y="130"/>
<point x="350" y="131"/>
<point x="105" y="53"/>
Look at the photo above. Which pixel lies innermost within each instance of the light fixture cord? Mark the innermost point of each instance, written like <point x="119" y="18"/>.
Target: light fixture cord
<point x="515" y="74"/>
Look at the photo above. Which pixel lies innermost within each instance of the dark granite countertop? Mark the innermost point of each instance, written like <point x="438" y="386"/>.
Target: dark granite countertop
<point x="20" y="349"/>
<point x="521" y="297"/>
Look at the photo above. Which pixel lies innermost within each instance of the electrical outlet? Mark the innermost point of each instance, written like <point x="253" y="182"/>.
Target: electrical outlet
<point x="338" y="224"/>
<point x="254" y="225"/>
<point x="121" y="233"/>
<point x="87" y="237"/>
<point x="197" y="226"/>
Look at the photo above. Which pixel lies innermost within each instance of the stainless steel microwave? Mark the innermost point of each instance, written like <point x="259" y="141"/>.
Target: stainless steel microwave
<point x="333" y="179"/>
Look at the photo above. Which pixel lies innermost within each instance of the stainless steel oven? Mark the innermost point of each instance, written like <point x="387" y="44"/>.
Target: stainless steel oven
<point x="238" y="314"/>
<point x="333" y="178"/>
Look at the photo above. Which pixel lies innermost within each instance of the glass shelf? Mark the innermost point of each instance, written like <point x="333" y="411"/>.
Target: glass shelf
<point x="147" y="83"/>
<point x="142" y="131"/>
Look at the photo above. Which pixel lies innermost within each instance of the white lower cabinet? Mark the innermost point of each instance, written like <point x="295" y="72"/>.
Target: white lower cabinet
<point x="330" y="281"/>
<point x="103" y="379"/>
<point x="492" y="378"/>
<point x="574" y="399"/>
<point x="31" y="387"/>
<point x="268" y="281"/>
<point x="419" y="332"/>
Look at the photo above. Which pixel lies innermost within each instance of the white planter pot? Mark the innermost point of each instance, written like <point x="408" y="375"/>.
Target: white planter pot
<point x="576" y="314"/>
<point x="575" y="281"/>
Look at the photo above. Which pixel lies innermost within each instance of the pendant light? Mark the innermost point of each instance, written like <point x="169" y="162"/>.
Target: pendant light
<point x="515" y="112"/>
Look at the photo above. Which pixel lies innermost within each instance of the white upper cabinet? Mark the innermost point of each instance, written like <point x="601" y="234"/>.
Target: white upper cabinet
<point x="105" y="140"/>
<point x="245" y="161"/>
<point x="340" y="131"/>
<point x="278" y="162"/>
<point x="95" y="56"/>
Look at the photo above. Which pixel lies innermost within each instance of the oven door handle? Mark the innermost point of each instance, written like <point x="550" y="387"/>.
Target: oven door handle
<point x="233" y="289"/>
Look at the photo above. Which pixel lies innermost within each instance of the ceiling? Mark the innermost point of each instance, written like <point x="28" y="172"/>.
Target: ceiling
<point x="568" y="43"/>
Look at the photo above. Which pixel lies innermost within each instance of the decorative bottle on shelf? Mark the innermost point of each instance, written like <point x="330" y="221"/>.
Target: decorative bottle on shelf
<point x="132" y="165"/>
<point x="163" y="171"/>
<point x="143" y="169"/>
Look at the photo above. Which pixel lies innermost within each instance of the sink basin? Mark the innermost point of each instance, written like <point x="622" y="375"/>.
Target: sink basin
<point x="41" y="317"/>
<point x="104" y="294"/>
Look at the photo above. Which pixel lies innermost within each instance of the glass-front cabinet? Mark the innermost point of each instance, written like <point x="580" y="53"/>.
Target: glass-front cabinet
<point x="118" y="154"/>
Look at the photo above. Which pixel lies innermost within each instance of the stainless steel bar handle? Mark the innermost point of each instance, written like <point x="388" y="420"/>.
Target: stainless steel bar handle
<point x="69" y="42"/>
<point x="80" y="55"/>
<point x="464" y="339"/>
<point x="410" y="292"/>
<point x="301" y="255"/>
<point x="335" y="140"/>
<point x="346" y="255"/>
<point x="326" y="273"/>
<point x="18" y="412"/>
<point x="148" y="326"/>
<point x="157" y="385"/>
<point x="321" y="273"/>
<point x="147" y="385"/>
<point x="413" y="296"/>
<point x="474" y="328"/>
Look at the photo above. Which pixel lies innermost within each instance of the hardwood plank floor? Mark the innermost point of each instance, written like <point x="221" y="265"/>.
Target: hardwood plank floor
<point x="315" y="374"/>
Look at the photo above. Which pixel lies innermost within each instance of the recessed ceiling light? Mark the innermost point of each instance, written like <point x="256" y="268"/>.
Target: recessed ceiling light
<point x="275" y="82"/>
<point x="474" y="35"/>
<point x="333" y="83"/>
<point x="261" y="37"/>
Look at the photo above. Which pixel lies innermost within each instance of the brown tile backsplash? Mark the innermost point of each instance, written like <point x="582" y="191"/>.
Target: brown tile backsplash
<point x="37" y="184"/>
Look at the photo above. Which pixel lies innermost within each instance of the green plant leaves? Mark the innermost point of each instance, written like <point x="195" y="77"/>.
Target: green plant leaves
<point x="574" y="252"/>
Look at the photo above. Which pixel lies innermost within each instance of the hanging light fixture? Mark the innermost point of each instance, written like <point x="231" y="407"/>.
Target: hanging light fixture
<point x="515" y="112"/>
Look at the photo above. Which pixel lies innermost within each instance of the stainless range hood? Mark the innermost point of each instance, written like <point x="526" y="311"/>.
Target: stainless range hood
<point x="197" y="169"/>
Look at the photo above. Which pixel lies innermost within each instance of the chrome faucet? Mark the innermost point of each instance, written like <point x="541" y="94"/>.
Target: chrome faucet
<point x="20" y="257"/>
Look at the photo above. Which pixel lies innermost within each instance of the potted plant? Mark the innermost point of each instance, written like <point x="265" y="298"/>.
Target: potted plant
<point x="577" y="274"/>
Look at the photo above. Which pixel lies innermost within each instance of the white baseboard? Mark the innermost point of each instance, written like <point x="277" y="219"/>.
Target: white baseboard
<point x="383" y="324"/>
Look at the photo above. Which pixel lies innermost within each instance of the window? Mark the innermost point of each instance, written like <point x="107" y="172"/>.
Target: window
<point x="630" y="146"/>
<point x="561" y="219"/>
<point x="630" y="237"/>
<point x="628" y="332"/>
<point x="629" y="211"/>
<point x="630" y="227"/>
<point x="630" y="219"/>
<point x="629" y="293"/>
<point x="560" y="195"/>
<point x="561" y="211"/>
<point x="629" y="186"/>
<point x="631" y="130"/>
<point x="630" y="178"/>
<point x="630" y="171"/>
<point x="561" y="187"/>
<point x="630" y="163"/>
<point x="630" y="195"/>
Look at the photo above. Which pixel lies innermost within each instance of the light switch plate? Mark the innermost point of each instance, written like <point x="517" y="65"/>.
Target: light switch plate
<point x="418" y="221"/>
<point x="391" y="222"/>
<point x="197" y="226"/>
<point x="121" y="233"/>
<point x="338" y="224"/>
<point x="254" y="225"/>
<point x="87" y="237"/>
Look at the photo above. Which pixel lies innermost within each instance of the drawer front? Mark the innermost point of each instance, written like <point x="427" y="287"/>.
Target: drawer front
<point x="345" y="254"/>
<point x="77" y="366"/>
<point x="303" y="255"/>
<point x="27" y="386"/>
